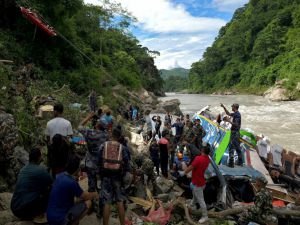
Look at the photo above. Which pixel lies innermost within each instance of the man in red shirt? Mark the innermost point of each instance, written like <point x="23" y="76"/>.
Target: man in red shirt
<point x="198" y="167"/>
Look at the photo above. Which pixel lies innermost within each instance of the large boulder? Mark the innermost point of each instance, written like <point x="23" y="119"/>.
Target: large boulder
<point x="163" y="185"/>
<point x="5" y="213"/>
<point x="5" y="199"/>
<point x="8" y="135"/>
<point x="146" y="97"/>
<point x="171" y="106"/>
<point x="298" y="86"/>
<point x="17" y="160"/>
<point x="278" y="92"/>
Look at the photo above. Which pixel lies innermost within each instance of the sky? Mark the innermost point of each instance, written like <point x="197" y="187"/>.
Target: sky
<point x="180" y="30"/>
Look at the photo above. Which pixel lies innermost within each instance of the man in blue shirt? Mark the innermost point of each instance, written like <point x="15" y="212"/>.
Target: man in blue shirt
<point x="31" y="194"/>
<point x="235" y="134"/>
<point x="62" y="210"/>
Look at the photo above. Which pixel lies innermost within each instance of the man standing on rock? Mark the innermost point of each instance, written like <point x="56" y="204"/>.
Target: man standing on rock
<point x="114" y="163"/>
<point x="198" y="168"/>
<point x="95" y="138"/>
<point x="235" y="134"/>
<point x="58" y="125"/>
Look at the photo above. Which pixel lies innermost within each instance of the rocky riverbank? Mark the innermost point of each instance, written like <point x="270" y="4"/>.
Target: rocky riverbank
<point x="13" y="156"/>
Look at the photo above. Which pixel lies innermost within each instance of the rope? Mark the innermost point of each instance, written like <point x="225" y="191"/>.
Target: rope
<point x="34" y="33"/>
<point x="61" y="35"/>
<point x="26" y="3"/>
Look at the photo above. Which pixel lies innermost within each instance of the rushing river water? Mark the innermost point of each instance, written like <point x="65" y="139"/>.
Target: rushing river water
<point x="280" y="121"/>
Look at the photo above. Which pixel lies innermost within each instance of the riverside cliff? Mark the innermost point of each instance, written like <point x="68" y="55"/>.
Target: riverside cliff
<point x="258" y="47"/>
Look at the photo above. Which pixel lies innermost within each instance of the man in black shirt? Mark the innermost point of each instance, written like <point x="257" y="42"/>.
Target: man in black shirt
<point x="235" y="134"/>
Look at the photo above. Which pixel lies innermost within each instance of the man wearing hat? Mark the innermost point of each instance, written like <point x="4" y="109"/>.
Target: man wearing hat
<point x="235" y="134"/>
<point x="261" y="211"/>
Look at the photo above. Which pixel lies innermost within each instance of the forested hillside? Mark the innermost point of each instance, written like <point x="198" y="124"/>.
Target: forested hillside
<point x="175" y="72"/>
<point x="175" y="79"/>
<point x="93" y="48"/>
<point x="257" y="47"/>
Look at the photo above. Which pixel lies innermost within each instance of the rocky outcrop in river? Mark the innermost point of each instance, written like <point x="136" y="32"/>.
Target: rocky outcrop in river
<point x="278" y="92"/>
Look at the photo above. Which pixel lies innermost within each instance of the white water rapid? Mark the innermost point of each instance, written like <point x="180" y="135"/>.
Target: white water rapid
<point x="280" y="121"/>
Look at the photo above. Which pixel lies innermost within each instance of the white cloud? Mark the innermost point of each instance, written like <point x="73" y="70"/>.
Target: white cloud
<point x="183" y="50"/>
<point x="162" y="16"/>
<point x="228" y="5"/>
<point x="180" y="37"/>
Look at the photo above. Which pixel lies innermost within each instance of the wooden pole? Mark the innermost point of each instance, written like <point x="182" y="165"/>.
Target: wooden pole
<point x="6" y="61"/>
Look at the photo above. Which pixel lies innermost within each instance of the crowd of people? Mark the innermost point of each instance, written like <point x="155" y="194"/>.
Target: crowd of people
<point x="179" y="155"/>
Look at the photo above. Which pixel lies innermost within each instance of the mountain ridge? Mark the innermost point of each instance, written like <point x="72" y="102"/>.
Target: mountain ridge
<point x="258" y="47"/>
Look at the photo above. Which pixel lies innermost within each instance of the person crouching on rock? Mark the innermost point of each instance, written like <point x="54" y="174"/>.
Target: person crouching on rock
<point x="261" y="211"/>
<point x="31" y="194"/>
<point x="62" y="209"/>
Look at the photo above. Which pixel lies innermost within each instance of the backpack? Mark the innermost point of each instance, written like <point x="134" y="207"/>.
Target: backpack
<point x="94" y="139"/>
<point x="112" y="157"/>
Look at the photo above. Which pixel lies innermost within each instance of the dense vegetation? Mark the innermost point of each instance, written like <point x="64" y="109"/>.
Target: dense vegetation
<point x="175" y="79"/>
<point x="257" y="47"/>
<point x="93" y="50"/>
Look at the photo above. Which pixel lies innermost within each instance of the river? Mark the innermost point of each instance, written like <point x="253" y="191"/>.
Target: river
<point x="280" y="121"/>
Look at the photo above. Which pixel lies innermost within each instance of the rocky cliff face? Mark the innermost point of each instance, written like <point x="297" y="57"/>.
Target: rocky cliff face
<point x="279" y="93"/>
<point x="12" y="157"/>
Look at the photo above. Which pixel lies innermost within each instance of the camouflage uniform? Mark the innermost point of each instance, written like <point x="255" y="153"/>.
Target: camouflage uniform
<point x="261" y="212"/>
<point x="172" y="145"/>
<point x="147" y="168"/>
<point x="199" y="133"/>
<point x="188" y="135"/>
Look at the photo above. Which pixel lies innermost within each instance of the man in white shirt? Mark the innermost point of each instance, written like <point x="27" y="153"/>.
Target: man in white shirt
<point x="58" y="125"/>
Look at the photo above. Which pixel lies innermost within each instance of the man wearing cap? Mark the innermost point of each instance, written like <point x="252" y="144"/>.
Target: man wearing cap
<point x="261" y="211"/>
<point x="235" y="134"/>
